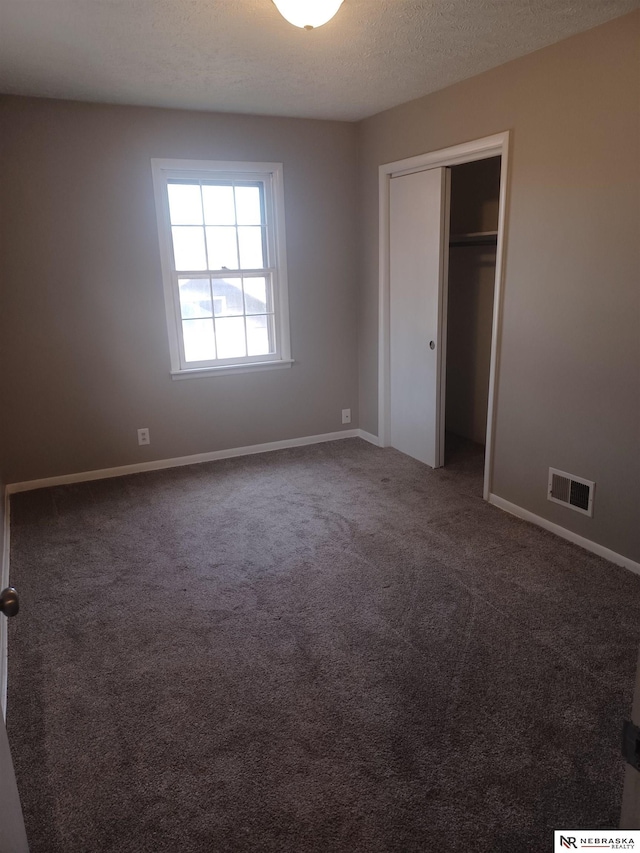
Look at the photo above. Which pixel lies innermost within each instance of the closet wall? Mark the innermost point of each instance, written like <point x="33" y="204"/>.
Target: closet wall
<point x="475" y="189"/>
<point x="567" y="392"/>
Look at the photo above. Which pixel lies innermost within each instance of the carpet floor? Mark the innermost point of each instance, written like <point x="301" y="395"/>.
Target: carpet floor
<point x="329" y="648"/>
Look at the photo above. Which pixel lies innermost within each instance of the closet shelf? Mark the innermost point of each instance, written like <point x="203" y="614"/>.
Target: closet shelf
<point x="477" y="238"/>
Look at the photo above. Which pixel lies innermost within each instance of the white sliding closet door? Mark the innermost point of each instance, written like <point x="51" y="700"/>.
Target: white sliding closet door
<point x="419" y="237"/>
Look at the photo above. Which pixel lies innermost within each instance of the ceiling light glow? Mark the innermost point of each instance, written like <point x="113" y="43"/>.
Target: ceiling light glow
<point x="308" y="14"/>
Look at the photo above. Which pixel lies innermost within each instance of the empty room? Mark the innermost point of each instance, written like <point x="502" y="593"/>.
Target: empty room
<point x="320" y="425"/>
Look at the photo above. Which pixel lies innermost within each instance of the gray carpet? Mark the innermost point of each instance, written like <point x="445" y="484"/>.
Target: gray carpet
<point x="330" y="648"/>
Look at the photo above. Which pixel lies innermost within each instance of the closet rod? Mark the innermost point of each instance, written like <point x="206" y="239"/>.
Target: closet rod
<point x="481" y="238"/>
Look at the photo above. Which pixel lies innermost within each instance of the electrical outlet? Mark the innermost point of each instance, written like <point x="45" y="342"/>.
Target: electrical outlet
<point x="346" y="416"/>
<point x="143" y="436"/>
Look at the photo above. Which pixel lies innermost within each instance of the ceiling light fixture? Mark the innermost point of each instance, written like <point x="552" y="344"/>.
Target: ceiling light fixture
<point x="308" y="14"/>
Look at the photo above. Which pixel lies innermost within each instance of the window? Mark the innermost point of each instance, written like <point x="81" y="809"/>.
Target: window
<point x="222" y="244"/>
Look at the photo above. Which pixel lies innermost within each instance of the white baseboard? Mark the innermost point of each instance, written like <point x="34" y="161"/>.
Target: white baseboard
<point x="367" y="436"/>
<point x="179" y="461"/>
<point x="587" y="544"/>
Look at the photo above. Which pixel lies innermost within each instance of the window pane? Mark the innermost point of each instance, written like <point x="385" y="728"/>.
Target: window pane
<point x="227" y="296"/>
<point x="255" y="296"/>
<point x="195" y="297"/>
<point x="230" y="335"/>
<point x="185" y="206"/>
<point x="218" y="205"/>
<point x="199" y="340"/>
<point x="260" y="338"/>
<point x="188" y="248"/>
<point x="248" y="205"/>
<point x="251" y="254"/>
<point x="222" y="248"/>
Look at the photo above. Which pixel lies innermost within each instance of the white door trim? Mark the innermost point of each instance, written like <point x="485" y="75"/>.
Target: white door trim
<point x="479" y="149"/>
<point x="4" y="582"/>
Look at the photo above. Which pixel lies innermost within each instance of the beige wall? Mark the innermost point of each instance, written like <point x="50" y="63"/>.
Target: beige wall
<point x="83" y="339"/>
<point x="568" y="391"/>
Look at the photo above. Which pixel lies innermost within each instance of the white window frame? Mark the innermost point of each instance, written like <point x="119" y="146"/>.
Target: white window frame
<point x="271" y="176"/>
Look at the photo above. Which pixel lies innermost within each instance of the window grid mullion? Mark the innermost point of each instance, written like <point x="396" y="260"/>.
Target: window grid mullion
<point x="271" y="330"/>
<point x="244" y="307"/>
<point x="215" y="329"/>
<point x="258" y="272"/>
<point x="206" y="254"/>
<point x="253" y="273"/>
<point x="244" y="317"/>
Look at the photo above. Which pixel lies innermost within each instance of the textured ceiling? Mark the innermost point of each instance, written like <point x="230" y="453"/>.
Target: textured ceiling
<point x="242" y="56"/>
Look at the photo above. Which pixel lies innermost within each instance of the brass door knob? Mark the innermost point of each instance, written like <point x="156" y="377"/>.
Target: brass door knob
<point x="9" y="603"/>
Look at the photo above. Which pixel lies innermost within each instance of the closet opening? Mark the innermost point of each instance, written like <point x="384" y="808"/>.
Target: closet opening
<point x="469" y="309"/>
<point x="439" y="210"/>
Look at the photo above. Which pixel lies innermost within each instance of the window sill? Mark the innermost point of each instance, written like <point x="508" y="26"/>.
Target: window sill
<point x="202" y="372"/>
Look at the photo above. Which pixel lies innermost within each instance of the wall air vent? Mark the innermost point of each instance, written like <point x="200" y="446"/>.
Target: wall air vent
<point x="571" y="491"/>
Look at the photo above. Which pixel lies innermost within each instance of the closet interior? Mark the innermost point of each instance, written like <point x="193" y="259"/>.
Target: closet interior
<point x="473" y="230"/>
